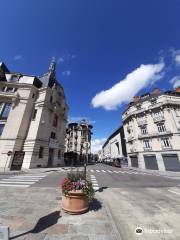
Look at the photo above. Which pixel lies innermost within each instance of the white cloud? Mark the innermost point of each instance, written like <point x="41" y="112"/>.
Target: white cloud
<point x="60" y="60"/>
<point x="66" y="58"/>
<point x="175" y="81"/>
<point x="18" y="57"/>
<point x="176" y="56"/>
<point x="78" y="119"/>
<point x="97" y="144"/>
<point x="177" y="59"/>
<point x="66" y="73"/>
<point x="124" y="90"/>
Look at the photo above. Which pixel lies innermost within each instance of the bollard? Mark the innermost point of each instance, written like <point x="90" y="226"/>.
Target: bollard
<point x="4" y="233"/>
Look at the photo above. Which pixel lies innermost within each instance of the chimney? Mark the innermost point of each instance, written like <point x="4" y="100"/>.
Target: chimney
<point x="177" y="89"/>
<point x="155" y="91"/>
<point x="136" y="99"/>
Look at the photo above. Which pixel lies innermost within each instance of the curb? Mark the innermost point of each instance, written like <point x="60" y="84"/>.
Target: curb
<point x="115" y="233"/>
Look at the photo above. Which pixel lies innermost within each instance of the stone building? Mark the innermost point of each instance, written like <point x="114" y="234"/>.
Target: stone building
<point x="78" y="143"/>
<point x="33" y="117"/>
<point x="115" y="146"/>
<point x="152" y="130"/>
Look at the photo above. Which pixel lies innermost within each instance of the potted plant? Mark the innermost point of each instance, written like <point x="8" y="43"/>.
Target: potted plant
<point x="77" y="192"/>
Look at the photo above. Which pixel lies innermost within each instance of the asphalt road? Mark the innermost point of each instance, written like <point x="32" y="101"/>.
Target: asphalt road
<point x="106" y="177"/>
<point x="135" y="199"/>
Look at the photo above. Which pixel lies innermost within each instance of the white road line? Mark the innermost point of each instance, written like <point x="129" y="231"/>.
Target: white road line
<point x="26" y="178"/>
<point x="97" y="171"/>
<point x="103" y="170"/>
<point x="174" y="192"/>
<point x="30" y="176"/>
<point x="92" y="170"/>
<point x="17" y="182"/>
<point x="116" y="171"/>
<point x="95" y="184"/>
<point x="96" y="188"/>
<point x="109" y="171"/>
<point x="9" y="185"/>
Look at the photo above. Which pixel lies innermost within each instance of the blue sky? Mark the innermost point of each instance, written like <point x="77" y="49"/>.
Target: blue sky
<point x="97" y="43"/>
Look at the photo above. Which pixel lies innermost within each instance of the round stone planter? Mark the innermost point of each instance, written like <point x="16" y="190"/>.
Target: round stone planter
<point x="75" y="203"/>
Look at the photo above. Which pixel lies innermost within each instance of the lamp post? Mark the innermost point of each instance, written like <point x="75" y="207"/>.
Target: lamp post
<point x="86" y="147"/>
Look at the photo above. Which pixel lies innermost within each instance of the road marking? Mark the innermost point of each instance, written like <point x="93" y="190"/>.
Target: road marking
<point x="92" y="170"/>
<point x="103" y="171"/>
<point x="9" y="185"/>
<point x="174" y="192"/>
<point x="116" y="171"/>
<point x="94" y="182"/>
<point x="16" y="182"/>
<point x="21" y="181"/>
<point x="109" y="171"/>
<point x="97" y="171"/>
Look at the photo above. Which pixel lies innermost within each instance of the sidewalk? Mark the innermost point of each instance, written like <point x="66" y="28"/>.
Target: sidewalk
<point x="35" y="214"/>
<point x="162" y="173"/>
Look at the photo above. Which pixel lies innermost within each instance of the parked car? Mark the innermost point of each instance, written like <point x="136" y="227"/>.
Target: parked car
<point x="117" y="162"/>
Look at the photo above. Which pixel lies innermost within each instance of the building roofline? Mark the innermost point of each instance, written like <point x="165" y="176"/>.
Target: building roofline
<point x="112" y="135"/>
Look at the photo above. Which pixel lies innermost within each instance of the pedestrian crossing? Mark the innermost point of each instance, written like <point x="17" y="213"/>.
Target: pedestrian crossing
<point x="21" y="181"/>
<point x="94" y="182"/>
<point x="106" y="171"/>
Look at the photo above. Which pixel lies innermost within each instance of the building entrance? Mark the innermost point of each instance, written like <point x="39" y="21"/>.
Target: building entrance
<point x="50" y="157"/>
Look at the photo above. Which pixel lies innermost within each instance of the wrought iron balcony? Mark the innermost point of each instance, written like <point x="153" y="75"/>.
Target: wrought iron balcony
<point x="147" y="148"/>
<point x="154" y="134"/>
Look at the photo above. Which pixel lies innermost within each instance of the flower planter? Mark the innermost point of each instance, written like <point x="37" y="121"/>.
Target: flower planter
<point x="75" y="203"/>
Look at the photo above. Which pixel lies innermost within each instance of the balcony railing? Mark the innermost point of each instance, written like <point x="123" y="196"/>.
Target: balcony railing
<point x="154" y="134"/>
<point x="158" y="118"/>
<point x="147" y="148"/>
<point x="167" y="147"/>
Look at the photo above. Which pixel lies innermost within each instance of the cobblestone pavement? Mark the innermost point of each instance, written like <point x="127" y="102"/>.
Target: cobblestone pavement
<point x="35" y="214"/>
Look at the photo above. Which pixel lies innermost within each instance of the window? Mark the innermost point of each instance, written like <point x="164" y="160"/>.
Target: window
<point x="165" y="142"/>
<point x="14" y="78"/>
<point x="146" y="143"/>
<point x="157" y="114"/>
<point x="161" y="128"/>
<point x="5" y="111"/>
<point x="51" y="99"/>
<point x="1" y="128"/>
<point x="144" y="130"/>
<point x="55" y="121"/>
<point x="53" y="135"/>
<point x="34" y="114"/>
<point x="41" y="151"/>
<point x="59" y="154"/>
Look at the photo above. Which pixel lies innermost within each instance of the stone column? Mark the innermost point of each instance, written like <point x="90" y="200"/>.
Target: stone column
<point x="141" y="161"/>
<point x="160" y="162"/>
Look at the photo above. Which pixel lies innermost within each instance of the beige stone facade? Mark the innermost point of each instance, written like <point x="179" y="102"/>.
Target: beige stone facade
<point x="33" y="117"/>
<point x="152" y="131"/>
<point x="114" y="147"/>
<point x="78" y="142"/>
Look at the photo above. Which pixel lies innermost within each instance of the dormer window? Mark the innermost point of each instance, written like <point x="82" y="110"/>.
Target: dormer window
<point x="14" y="78"/>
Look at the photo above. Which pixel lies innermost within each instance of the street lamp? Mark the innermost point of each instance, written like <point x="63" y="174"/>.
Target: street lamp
<point x="86" y="146"/>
